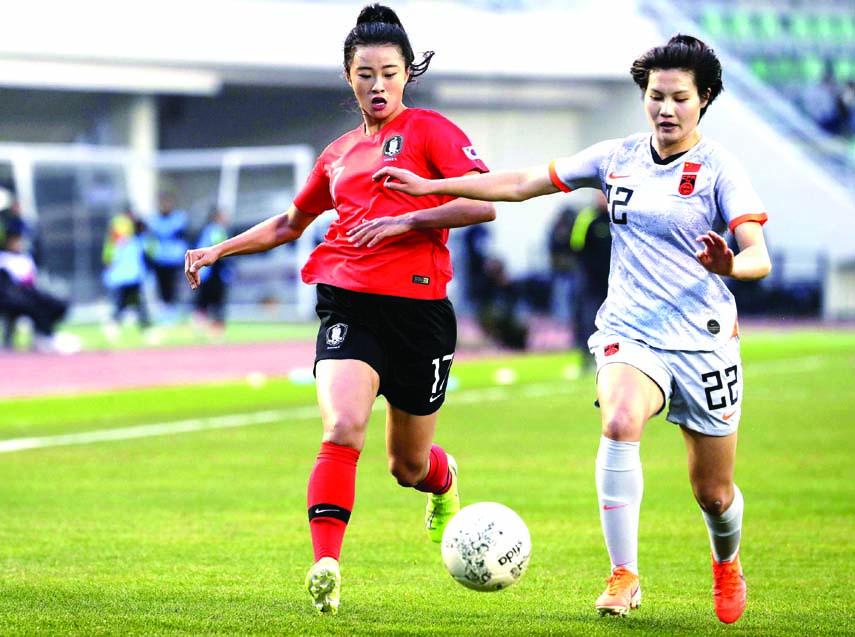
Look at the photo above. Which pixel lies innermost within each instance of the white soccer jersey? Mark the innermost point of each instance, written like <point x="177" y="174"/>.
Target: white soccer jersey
<point x="659" y="293"/>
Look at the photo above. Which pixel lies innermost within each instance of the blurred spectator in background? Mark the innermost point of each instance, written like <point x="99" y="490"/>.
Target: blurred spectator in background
<point x="214" y="280"/>
<point x="848" y="98"/>
<point x="499" y="317"/>
<point x="166" y="243"/>
<point x="11" y="216"/>
<point x="562" y="261"/>
<point x="491" y="291"/>
<point x="20" y="296"/>
<point x="591" y="241"/>
<point x="476" y="246"/>
<point x="6" y="200"/>
<point x="825" y="104"/>
<point x="125" y="269"/>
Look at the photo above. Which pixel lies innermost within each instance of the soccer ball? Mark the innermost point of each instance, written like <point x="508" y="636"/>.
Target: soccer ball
<point x="486" y="546"/>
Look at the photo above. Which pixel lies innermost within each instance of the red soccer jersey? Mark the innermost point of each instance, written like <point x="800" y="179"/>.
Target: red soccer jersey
<point x="416" y="264"/>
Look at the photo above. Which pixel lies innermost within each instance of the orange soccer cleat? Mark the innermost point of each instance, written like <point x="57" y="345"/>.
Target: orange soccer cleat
<point x="728" y="589"/>
<point x="622" y="593"/>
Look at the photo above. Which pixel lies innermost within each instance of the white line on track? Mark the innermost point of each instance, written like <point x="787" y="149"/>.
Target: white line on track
<point x="256" y="418"/>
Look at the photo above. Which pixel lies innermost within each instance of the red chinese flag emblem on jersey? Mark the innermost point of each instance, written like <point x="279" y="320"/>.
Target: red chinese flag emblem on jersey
<point x="688" y="179"/>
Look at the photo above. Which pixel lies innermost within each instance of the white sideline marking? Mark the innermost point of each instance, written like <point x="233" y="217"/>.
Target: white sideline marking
<point x="505" y="392"/>
<point x="248" y="419"/>
<point x="158" y="429"/>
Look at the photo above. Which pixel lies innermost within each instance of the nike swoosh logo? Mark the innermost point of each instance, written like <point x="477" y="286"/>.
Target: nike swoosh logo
<point x="319" y="511"/>
<point x="729" y="416"/>
<point x="437" y="397"/>
<point x="606" y="507"/>
<point x="613" y="176"/>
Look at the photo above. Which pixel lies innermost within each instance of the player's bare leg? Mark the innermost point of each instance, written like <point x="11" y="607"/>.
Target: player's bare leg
<point x="416" y="461"/>
<point x="711" y="467"/>
<point x="346" y="392"/>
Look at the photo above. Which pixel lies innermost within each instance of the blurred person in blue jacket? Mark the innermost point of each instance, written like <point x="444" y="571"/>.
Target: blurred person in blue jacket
<point x="166" y="243"/>
<point x="125" y="269"/>
<point x="214" y="280"/>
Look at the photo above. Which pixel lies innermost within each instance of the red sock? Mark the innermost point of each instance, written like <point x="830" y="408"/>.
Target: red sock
<point x="332" y="489"/>
<point x="438" y="478"/>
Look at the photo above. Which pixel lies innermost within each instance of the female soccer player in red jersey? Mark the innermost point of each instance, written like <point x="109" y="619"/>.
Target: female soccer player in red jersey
<point x="667" y="330"/>
<point x="387" y="326"/>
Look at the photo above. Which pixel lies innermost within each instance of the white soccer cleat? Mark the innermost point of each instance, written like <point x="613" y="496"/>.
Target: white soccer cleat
<point x="323" y="581"/>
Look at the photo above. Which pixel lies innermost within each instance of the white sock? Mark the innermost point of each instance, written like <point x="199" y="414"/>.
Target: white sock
<point x="620" y="485"/>
<point x="726" y="529"/>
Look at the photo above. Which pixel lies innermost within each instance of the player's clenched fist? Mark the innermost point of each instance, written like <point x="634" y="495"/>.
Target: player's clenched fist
<point x="195" y="260"/>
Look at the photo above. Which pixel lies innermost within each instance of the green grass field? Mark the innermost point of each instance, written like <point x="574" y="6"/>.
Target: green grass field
<point x="204" y="531"/>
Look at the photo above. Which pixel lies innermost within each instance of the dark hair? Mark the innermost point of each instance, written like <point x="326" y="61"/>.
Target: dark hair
<point x="378" y="24"/>
<point x="15" y="228"/>
<point x="688" y="54"/>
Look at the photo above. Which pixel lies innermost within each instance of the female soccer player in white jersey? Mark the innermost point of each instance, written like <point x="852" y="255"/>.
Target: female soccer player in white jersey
<point x="667" y="331"/>
<point x="387" y="326"/>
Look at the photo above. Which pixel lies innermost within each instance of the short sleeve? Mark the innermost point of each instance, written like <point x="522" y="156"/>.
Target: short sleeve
<point x="450" y="150"/>
<point x="736" y="198"/>
<point x="582" y="170"/>
<point x="314" y="197"/>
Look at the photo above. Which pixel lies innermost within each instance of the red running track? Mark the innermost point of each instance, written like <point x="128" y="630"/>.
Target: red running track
<point x="24" y="374"/>
<point x="29" y="374"/>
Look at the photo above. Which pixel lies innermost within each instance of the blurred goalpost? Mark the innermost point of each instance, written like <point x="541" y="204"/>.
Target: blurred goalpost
<point x="69" y="192"/>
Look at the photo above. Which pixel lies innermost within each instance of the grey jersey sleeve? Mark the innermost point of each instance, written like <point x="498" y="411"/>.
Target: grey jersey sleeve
<point x="585" y="169"/>
<point x="735" y="197"/>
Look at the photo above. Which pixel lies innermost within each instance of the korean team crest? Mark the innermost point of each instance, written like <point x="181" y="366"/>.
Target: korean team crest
<point x="393" y="145"/>
<point x="688" y="178"/>
<point x="335" y="335"/>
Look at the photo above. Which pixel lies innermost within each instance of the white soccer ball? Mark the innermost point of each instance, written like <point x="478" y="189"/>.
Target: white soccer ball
<point x="486" y="546"/>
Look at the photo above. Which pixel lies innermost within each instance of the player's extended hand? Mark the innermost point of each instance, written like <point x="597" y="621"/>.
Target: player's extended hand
<point x="404" y="181"/>
<point x="195" y="260"/>
<point x="716" y="257"/>
<point x="372" y="231"/>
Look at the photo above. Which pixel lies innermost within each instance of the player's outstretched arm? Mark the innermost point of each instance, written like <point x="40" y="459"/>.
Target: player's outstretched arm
<point x="262" y="237"/>
<point x="457" y="213"/>
<point x="507" y="185"/>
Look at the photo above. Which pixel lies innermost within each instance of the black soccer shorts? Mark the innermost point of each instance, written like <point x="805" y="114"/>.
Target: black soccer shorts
<point x="408" y="342"/>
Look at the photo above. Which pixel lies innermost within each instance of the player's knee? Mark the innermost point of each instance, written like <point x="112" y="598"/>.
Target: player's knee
<point x="346" y="429"/>
<point x="408" y="473"/>
<point x="622" y="424"/>
<point x="714" y="499"/>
